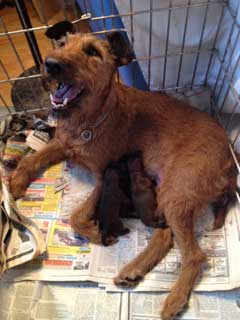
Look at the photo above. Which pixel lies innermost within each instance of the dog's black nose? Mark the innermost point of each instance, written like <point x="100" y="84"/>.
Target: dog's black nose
<point x="53" y="66"/>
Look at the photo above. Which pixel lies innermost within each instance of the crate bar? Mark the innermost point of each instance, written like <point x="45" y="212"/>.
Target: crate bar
<point x="18" y="58"/>
<point x="133" y="69"/>
<point x="200" y="42"/>
<point x="113" y="27"/>
<point x="238" y="196"/>
<point x="146" y="11"/>
<point x="236" y="137"/>
<point x="231" y="79"/>
<point x="182" y="88"/>
<point x="183" y="43"/>
<point x="88" y="16"/>
<point x="235" y="158"/>
<point x="64" y="10"/>
<point x="85" y="6"/>
<point x="214" y="44"/>
<point x="45" y="18"/>
<point x="5" y="105"/>
<point x="11" y="82"/>
<point x="229" y="62"/>
<point x="3" y="34"/>
<point x="20" y="78"/>
<point x="232" y="116"/>
<point x="26" y="111"/>
<point x="233" y="16"/>
<point x="231" y="85"/>
<point x="236" y="96"/>
<point x="112" y="12"/>
<point x="150" y="43"/>
<point x="225" y="51"/>
<point x="76" y="13"/>
<point x="26" y="23"/>
<point x="230" y="144"/>
<point x="103" y="14"/>
<point x="134" y="60"/>
<point x="167" y="41"/>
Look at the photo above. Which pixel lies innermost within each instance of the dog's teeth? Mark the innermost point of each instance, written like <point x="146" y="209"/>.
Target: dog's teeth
<point x="61" y="85"/>
<point x="51" y="97"/>
<point x="65" y="101"/>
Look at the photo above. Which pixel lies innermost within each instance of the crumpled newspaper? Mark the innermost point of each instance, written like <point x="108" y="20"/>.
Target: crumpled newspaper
<point x="20" y="238"/>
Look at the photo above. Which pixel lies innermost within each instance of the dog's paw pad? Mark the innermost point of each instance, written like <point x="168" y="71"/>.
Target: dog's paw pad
<point x="109" y="240"/>
<point x="128" y="280"/>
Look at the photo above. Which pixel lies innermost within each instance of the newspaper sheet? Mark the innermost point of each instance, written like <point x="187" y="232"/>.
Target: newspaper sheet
<point x="42" y="300"/>
<point x="202" y="306"/>
<point x="38" y="300"/>
<point x="221" y="246"/>
<point x="21" y="240"/>
<point x="72" y="258"/>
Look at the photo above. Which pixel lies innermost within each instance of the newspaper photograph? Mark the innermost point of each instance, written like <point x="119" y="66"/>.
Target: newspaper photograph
<point x="70" y="257"/>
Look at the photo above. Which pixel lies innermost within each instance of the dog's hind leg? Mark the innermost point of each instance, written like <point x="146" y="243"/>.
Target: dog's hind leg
<point x="52" y="153"/>
<point x="181" y="221"/>
<point x="222" y="205"/>
<point x="220" y="208"/>
<point x="158" y="247"/>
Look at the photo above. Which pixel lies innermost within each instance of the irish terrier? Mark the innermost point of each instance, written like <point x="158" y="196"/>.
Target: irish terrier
<point x="100" y="120"/>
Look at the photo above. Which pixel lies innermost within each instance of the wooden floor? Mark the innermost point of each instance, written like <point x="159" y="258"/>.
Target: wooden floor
<point x="7" y="55"/>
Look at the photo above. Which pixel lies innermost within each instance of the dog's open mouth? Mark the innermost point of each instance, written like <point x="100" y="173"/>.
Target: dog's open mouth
<point x="63" y="95"/>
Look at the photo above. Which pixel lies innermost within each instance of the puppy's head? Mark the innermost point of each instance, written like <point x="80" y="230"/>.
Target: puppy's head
<point x="84" y="66"/>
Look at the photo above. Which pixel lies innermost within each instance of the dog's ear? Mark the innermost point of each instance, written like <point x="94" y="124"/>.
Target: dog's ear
<point x="121" y="48"/>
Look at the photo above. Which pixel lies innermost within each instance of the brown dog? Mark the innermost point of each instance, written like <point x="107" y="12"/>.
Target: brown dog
<point x="183" y="149"/>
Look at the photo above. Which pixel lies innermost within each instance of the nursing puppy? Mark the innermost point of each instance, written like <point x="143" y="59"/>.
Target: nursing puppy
<point x="183" y="149"/>
<point x="126" y="192"/>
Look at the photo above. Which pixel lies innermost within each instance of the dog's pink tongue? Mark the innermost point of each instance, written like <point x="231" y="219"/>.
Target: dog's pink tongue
<point x="69" y="92"/>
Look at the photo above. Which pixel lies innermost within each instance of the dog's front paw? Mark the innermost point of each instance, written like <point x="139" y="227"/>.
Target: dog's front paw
<point x="174" y="305"/>
<point x="18" y="184"/>
<point x="129" y="277"/>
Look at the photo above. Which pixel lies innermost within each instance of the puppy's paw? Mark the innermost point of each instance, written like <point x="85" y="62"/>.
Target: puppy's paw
<point x="109" y="240"/>
<point x="128" y="277"/>
<point x="18" y="184"/>
<point x="93" y="233"/>
<point x="88" y="229"/>
<point x="218" y="222"/>
<point x="175" y="304"/>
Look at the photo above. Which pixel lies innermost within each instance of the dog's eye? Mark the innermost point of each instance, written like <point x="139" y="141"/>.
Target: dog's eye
<point x="91" y="51"/>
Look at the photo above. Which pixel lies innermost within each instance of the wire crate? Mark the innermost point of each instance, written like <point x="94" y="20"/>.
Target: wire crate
<point x="184" y="47"/>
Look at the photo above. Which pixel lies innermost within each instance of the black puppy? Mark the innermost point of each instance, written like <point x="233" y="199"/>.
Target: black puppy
<point x="127" y="192"/>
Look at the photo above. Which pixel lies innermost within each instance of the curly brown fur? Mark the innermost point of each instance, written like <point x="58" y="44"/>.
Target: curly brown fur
<point x="183" y="148"/>
<point x="144" y="195"/>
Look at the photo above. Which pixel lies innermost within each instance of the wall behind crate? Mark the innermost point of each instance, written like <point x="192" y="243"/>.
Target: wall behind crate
<point x="177" y="36"/>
